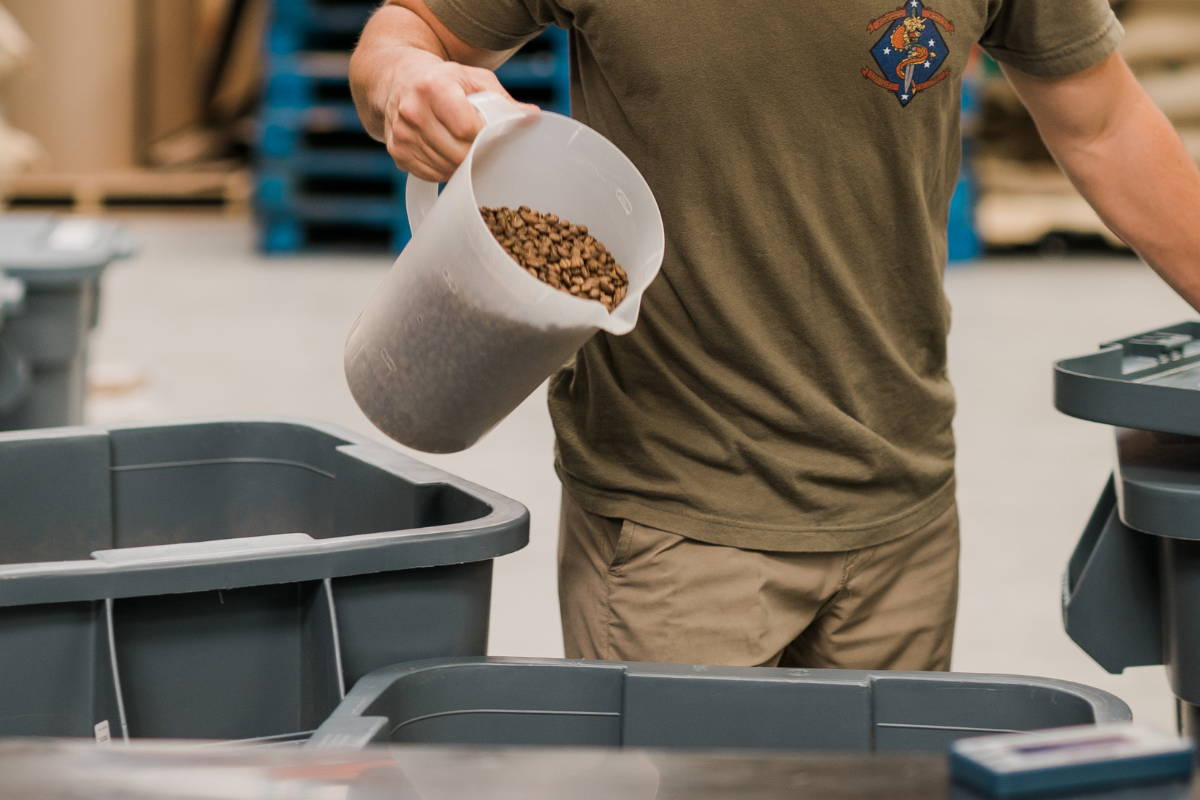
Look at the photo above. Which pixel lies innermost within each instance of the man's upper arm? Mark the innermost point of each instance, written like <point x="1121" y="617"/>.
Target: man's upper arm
<point x="1080" y="106"/>
<point x="474" y="31"/>
<point x="453" y="46"/>
<point x="1052" y="38"/>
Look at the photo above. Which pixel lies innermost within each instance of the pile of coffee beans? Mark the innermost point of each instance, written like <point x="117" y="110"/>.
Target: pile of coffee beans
<point x="558" y="253"/>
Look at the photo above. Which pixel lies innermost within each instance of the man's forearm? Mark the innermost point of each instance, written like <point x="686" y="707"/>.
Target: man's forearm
<point x="1132" y="167"/>
<point x="395" y="42"/>
<point x="1142" y="181"/>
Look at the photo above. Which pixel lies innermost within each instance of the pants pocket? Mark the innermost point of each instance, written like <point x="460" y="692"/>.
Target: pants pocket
<point x="623" y="546"/>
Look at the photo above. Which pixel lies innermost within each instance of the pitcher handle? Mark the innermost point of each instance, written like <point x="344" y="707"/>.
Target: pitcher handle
<point x="419" y="195"/>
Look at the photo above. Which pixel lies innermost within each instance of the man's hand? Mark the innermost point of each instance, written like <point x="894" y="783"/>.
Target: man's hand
<point x="410" y="77"/>
<point x="1126" y="160"/>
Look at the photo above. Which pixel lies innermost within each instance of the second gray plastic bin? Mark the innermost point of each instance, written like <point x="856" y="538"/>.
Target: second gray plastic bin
<point x="1132" y="586"/>
<point x="506" y="701"/>
<point x="60" y="261"/>
<point x="227" y="579"/>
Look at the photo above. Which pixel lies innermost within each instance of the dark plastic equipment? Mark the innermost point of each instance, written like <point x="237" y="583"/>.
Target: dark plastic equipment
<point x="505" y="701"/>
<point x="60" y="261"/>
<point x="227" y="579"/>
<point x="14" y="369"/>
<point x="1132" y="586"/>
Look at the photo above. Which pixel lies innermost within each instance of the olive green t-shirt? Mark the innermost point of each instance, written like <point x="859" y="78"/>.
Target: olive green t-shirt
<point x="786" y="387"/>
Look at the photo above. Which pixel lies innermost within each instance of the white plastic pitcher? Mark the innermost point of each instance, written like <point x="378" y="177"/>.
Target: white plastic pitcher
<point x="458" y="334"/>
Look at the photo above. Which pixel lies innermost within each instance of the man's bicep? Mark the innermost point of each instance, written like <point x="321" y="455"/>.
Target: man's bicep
<point x="1078" y="106"/>
<point x="454" y="46"/>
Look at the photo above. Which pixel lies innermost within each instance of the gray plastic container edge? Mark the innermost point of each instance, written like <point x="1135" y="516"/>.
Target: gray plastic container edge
<point x="227" y="579"/>
<point x="47" y="249"/>
<point x="1110" y="386"/>
<point x="60" y="261"/>
<point x="500" y="701"/>
<point x="159" y="568"/>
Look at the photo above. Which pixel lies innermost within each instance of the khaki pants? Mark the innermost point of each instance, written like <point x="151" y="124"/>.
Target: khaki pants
<point x="629" y="592"/>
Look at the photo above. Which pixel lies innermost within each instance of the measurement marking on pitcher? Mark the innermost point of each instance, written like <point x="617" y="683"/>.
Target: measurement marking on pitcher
<point x="624" y="201"/>
<point x="386" y="358"/>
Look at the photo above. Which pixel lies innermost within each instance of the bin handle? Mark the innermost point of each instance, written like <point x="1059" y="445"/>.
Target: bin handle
<point x="12" y="293"/>
<point x="419" y="194"/>
<point x="218" y="547"/>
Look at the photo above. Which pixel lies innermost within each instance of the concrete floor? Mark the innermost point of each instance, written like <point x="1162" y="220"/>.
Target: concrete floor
<point x="218" y="330"/>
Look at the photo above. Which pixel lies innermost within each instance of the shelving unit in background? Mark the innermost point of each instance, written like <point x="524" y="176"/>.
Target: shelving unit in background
<point x="1025" y="199"/>
<point x="320" y="181"/>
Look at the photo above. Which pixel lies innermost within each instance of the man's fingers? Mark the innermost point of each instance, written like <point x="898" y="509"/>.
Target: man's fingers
<point x="445" y="145"/>
<point x="423" y="171"/>
<point x="410" y="158"/>
<point x="431" y="129"/>
<point x="456" y="114"/>
<point x="419" y="129"/>
<point x="439" y="163"/>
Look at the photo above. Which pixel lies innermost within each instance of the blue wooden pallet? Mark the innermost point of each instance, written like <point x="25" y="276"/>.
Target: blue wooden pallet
<point x="298" y="133"/>
<point x="330" y="184"/>
<point x="346" y="15"/>
<point x="289" y="210"/>
<point x="281" y="235"/>
<point x="352" y="164"/>
<point x="313" y="159"/>
<point x="291" y="200"/>
<point x="298" y="24"/>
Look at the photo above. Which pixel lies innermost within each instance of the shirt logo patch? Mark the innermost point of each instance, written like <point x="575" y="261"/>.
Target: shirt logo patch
<point x="910" y="52"/>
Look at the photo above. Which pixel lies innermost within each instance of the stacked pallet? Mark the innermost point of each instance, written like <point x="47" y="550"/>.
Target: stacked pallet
<point x="321" y="181"/>
<point x="1025" y="198"/>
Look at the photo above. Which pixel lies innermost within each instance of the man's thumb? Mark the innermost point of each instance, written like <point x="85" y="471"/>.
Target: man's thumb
<point x="479" y="80"/>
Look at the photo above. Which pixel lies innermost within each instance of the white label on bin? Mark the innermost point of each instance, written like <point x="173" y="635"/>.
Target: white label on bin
<point x="73" y="234"/>
<point x="102" y="734"/>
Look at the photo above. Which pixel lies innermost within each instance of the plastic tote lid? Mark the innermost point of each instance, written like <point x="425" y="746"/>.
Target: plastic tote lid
<point x="1150" y="381"/>
<point x="47" y="249"/>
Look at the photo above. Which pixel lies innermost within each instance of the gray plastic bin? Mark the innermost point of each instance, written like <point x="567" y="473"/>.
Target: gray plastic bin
<point x="500" y="701"/>
<point x="14" y="368"/>
<point x="1132" y="586"/>
<point x="60" y="260"/>
<point x="227" y="579"/>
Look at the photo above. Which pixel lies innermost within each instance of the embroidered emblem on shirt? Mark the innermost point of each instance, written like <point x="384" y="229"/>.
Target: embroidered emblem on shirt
<point x="910" y="52"/>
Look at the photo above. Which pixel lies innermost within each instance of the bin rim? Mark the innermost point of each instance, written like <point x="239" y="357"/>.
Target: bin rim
<point x="46" y="268"/>
<point x="1096" y="387"/>
<point x="502" y="530"/>
<point x="347" y="725"/>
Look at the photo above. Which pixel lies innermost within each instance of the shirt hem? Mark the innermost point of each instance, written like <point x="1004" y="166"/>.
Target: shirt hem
<point x="715" y="530"/>
<point x="474" y="32"/>
<point x="1067" y="60"/>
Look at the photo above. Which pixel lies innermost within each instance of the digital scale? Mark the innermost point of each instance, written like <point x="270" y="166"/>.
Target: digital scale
<point x="1062" y="759"/>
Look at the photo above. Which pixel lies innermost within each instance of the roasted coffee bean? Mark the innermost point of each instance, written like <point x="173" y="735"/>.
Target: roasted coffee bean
<point x="559" y="253"/>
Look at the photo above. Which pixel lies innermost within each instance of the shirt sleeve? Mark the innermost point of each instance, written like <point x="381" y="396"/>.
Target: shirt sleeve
<point x="1052" y="38"/>
<point x="498" y="24"/>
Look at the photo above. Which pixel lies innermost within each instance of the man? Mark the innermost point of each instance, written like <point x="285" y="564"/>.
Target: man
<point x="762" y="472"/>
